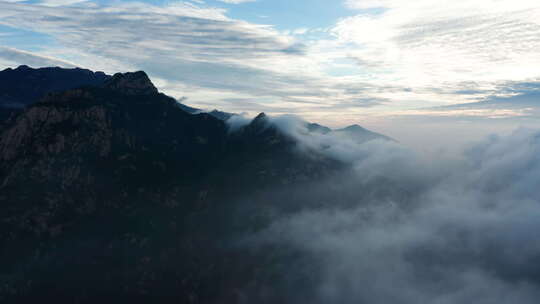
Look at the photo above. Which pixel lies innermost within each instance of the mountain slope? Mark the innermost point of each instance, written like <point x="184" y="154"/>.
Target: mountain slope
<point x="106" y="140"/>
<point x="138" y="195"/>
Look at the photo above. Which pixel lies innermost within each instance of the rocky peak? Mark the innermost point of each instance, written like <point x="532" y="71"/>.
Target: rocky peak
<point x="260" y="120"/>
<point x="259" y="124"/>
<point x="261" y="116"/>
<point x="135" y="83"/>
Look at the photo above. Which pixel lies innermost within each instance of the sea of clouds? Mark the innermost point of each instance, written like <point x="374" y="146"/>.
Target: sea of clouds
<point x="410" y="228"/>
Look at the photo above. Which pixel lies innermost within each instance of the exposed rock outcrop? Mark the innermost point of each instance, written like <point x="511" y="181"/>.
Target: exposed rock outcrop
<point x="136" y="83"/>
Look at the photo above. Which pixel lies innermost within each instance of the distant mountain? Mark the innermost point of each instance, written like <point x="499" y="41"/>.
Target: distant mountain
<point x="24" y="86"/>
<point x="353" y="132"/>
<point x="190" y="110"/>
<point x="216" y="113"/>
<point x="360" y="134"/>
<point x="221" y="115"/>
<point x="317" y="128"/>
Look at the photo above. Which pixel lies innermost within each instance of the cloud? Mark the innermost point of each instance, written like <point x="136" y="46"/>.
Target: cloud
<point x="62" y="2"/>
<point x="236" y="122"/>
<point x="406" y="229"/>
<point x="419" y="56"/>
<point x="194" y="51"/>
<point x="236" y="1"/>
<point x="430" y="43"/>
<point x="511" y="100"/>
<point x="13" y="56"/>
<point x="181" y="44"/>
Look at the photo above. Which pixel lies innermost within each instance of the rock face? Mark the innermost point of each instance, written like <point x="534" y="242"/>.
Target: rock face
<point x="107" y="132"/>
<point x="113" y="191"/>
<point x="136" y="83"/>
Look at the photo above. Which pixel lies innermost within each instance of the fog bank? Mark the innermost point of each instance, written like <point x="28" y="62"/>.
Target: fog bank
<point x="463" y="230"/>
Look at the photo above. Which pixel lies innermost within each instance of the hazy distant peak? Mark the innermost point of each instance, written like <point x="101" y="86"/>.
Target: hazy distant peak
<point x="131" y="83"/>
<point x="23" y="86"/>
<point x="354" y="128"/>
<point x="317" y="128"/>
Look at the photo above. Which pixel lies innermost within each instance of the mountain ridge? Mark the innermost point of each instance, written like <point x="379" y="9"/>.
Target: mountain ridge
<point x="143" y="198"/>
<point x="24" y="86"/>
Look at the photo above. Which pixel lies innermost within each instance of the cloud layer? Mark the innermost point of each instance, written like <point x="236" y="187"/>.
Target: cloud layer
<point x="412" y="229"/>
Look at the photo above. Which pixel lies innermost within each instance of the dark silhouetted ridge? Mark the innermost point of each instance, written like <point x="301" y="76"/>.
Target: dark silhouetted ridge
<point x="24" y="85"/>
<point x="110" y="190"/>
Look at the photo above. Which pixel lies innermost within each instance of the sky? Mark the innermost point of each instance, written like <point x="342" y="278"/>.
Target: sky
<point x="435" y="69"/>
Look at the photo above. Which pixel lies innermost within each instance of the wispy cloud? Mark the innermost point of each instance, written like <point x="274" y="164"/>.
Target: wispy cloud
<point x="391" y="57"/>
<point x="13" y="56"/>
<point x="445" y="43"/>
<point x="191" y="50"/>
<point x="179" y="42"/>
<point x="236" y="1"/>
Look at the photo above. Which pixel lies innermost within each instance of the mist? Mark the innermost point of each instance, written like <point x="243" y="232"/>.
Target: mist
<point x="405" y="228"/>
<point x="436" y="134"/>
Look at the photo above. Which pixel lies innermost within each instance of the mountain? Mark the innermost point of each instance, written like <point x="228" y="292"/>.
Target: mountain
<point x="125" y="123"/>
<point x="359" y="134"/>
<point x="317" y="128"/>
<point x="190" y="110"/>
<point x="114" y="192"/>
<point x="216" y="113"/>
<point x="24" y="86"/>
<point x="221" y="115"/>
<point x="135" y="84"/>
<point x="354" y="132"/>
